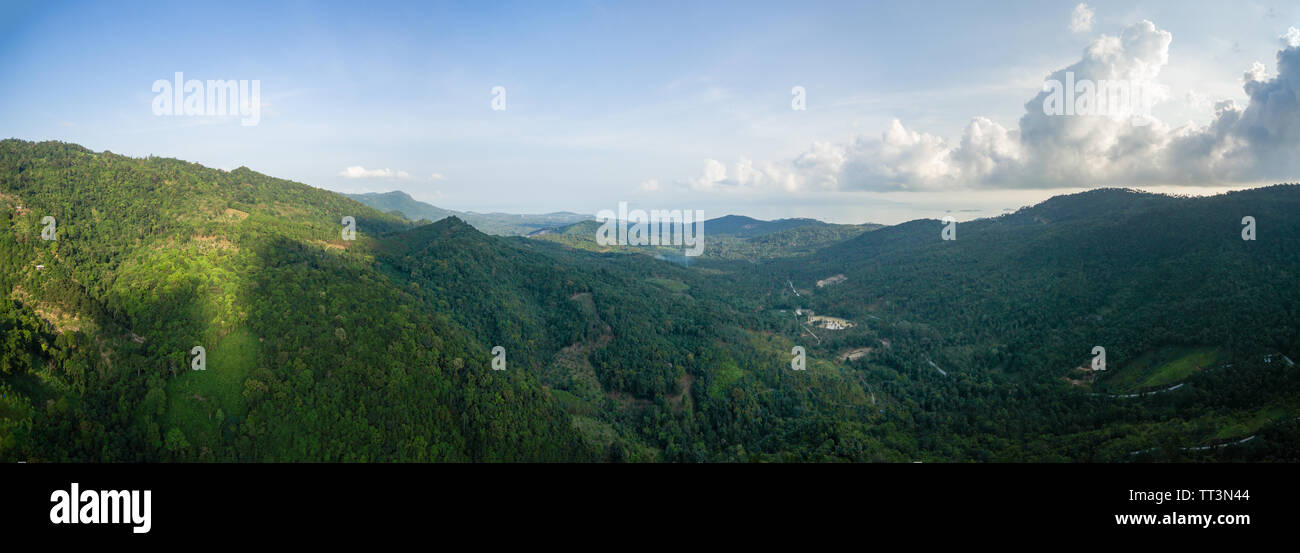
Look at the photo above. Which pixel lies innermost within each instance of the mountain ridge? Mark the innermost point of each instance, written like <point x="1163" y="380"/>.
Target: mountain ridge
<point x="506" y="224"/>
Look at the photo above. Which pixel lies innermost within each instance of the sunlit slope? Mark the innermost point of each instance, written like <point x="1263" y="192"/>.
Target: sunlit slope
<point x="310" y="352"/>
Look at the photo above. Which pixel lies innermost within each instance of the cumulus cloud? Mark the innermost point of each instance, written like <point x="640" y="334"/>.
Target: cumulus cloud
<point x="359" y="172"/>
<point x="744" y="175"/>
<point x="1081" y="19"/>
<point x="437" y="176"/>
<point x="715" y="174"/>
<point x="1251" y="144"/>
<point x="1291" y="39"/>
<point x="1107" y="143"/>
<point x="650" y="185"/>
<point x="1081" y="150"/>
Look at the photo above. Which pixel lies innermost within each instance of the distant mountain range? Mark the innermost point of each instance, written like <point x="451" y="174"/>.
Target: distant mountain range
<point x="501" y="224"/>
<point x="728" y="237"/>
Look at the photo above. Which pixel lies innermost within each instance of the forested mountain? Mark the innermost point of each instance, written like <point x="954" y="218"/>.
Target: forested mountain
<point x="728" y="237"/>
<point x="403" y="204"/>
<point x="1166" y="285"/>
<point x="503" y="224"/>
<point x="311" y="352"/>
<point x="741" y="226"/>
<point x="381" y="348"/>
<point x="1098" y="264"/>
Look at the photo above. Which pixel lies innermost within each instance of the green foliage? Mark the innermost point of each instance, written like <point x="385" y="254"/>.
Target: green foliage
<point x="313" y="354"/>
<point x="379" y="349"/>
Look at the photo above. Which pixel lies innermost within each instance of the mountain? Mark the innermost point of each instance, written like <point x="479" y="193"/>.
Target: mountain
<point x="312" y="352"/>
<point x="731" y="237"/>
<point x="385" y="347"/>
<point x="749" y="227"/>
<point x="504" y="224"/>
<point x="1165" y="284"/>
<point x="404" y="204"/>
<point x="375" y="349"/>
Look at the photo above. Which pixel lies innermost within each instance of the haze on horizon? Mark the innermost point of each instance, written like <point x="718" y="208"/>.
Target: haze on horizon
<point x="913" y="110"/>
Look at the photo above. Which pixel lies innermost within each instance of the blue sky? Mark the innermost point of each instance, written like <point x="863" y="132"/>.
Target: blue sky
<point x="663" y="104"/>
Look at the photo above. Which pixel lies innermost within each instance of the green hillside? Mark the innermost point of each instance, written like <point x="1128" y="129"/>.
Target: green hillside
<point x="320" y="348"/>
<point x="312" y="353"/>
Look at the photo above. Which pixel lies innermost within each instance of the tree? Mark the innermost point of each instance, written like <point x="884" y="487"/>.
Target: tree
<point x="176" y="442"/>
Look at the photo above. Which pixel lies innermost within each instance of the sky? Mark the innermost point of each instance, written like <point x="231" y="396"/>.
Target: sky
<point x="910" y="109"/>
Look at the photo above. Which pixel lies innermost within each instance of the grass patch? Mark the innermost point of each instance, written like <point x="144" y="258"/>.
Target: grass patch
<point x="1160" y="368"/>
<point x="1180" y="368"/>
<point x="1251" y="423"/>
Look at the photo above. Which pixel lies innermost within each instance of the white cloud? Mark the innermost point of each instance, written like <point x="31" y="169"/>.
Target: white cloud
<point x="650" y="185"/>
<point x="1257" y="72"/>
<point x="715" y="174"/>
<point x="744" y="176"/>
<point x="1291" y="39"/>
<point x="1250" y="145"/>
<point x="1081" y="19"/>
<point x="359" y="172"/>
<point x="437" y="176"/>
